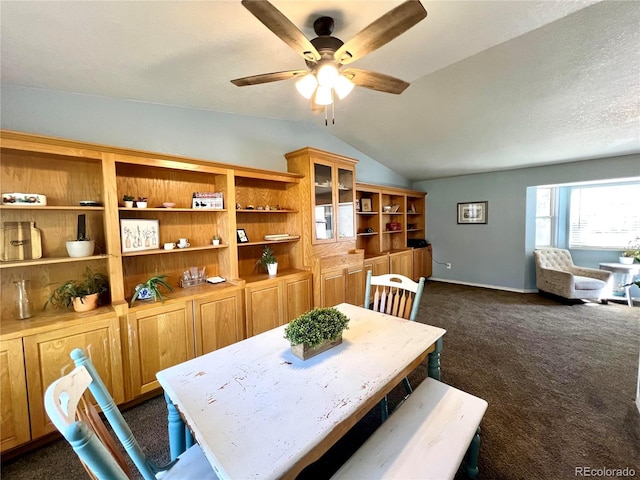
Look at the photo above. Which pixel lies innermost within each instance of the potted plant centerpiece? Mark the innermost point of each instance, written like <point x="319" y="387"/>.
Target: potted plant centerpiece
<point x="268" y="261"/>
<point x="316" y="331"/>
<point x="83" y="295"/>
<point x="631" y="253"/>
<point x="150" y="290"/>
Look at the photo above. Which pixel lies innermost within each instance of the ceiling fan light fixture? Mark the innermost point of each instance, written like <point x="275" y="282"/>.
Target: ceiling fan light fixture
<point x="327" y="75"/>
<point x="343" y="86"/>
<point x="307" y="85"/>
<point x="323" y="96"/>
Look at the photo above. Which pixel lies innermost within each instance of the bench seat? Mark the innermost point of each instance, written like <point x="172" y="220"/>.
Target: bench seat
<point x="425" y="438"/>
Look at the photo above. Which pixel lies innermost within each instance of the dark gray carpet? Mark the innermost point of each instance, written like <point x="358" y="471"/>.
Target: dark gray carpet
<point x="560" y="381"/>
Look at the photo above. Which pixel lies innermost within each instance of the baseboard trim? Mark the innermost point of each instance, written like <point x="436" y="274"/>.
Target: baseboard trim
<point x="482" y="285"/>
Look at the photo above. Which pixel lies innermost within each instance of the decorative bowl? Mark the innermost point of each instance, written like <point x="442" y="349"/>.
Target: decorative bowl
<point x="168" y="204"/>
<point x="81" y="248"/>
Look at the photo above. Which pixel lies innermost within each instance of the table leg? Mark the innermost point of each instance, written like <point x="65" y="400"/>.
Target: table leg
<point x="177" y="429"/>
<point x="434" y="361"/>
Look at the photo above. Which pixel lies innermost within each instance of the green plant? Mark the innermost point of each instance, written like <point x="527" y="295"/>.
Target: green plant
<point x="316" y="326"/>
<point x="268" y="257"/>
<point x="216" y="237"/>
<point x="633" y="249"/>
<point x="141" y="199"/>
<point x="153" y="285"/>
<point x="92" y="282"/>
<point x="127" y="198"/>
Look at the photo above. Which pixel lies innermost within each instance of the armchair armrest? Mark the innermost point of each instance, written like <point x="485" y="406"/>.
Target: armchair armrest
<point x="603" y="275"/>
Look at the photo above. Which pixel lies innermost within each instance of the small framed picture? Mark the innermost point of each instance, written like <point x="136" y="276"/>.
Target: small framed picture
<point x="473" y="212"/>
<point x="242" y="236"/>
<point x="357" y="204"/>
<point x="138" y="234"/>
<point x="365" y="204"/>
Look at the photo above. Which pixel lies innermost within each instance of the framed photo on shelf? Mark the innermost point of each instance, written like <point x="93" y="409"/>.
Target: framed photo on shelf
<point x="242" y="236"/>
<point x="365" y="204"/>
<point x="473" y="212"/>
<point x="139" y="234"/>
<point x="357" y="204"/>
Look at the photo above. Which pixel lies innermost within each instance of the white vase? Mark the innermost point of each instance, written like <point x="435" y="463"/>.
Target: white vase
<point x="626" y="260"/>
<point x="128" y="204"/>
<point x="272" y="268"/>
<point x="141" y="204"/>
<point x="81" y="248"/>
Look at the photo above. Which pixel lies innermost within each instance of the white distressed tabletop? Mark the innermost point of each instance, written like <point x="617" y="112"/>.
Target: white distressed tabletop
<point x="259" y="412"/>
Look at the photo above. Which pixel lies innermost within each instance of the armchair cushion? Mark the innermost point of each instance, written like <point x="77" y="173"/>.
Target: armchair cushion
<point x="557" y="274"/>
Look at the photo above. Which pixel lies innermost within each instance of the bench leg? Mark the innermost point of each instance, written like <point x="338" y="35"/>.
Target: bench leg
<point x="177" y="430"/>
<point x="473" y="453"/>
<point x="434" y="361"/>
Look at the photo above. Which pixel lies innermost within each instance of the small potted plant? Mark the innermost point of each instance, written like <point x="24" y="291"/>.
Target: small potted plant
<point x="150" y="290"/>
<point x="268" y="261"/>
<point x="128" y="201"/>
<point x="141" y="202"/>
<point x="316" y="331"/>
<point x="631" y="253"/>
<point x="83" y="295"/>
<point x="215" y="240"/>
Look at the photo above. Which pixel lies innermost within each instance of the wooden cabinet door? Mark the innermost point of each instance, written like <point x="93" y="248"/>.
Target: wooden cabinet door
<point x="421" y="263"/>
<point x="47" y="359"/>
<point x="218" y="321"/>
<point x="297" y="299"/>
<point x="356" y="280"/>
<point x="264" y="306"/>
<point x="14" y="414"/>
<point x="332" y="288"/>
<point x="158" y="338"/>
<point x="401" y="263"/>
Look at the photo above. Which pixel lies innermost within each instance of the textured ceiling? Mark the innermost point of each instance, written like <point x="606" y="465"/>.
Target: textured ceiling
<point x="495" y="85"/>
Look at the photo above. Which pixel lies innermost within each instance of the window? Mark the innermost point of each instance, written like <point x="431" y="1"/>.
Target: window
<point x="545" y="217"/>
<point x="604" y="216"/>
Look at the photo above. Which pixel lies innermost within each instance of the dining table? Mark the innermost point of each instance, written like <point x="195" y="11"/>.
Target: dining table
<point x="259" y="412"/>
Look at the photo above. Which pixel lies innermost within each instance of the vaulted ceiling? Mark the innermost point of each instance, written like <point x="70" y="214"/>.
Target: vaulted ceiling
<point x="494" y="84"/>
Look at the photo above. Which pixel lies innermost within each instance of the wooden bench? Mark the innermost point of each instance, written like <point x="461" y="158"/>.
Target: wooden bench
<point x="425" y="438"/>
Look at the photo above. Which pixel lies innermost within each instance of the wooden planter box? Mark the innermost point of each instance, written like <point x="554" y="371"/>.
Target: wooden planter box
<point x="304" y="352"/>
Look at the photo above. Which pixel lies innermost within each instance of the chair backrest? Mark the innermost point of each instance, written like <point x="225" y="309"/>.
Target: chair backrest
<point x="61" y="400"/>
<point x="555" y="258"/>
<point x="79" y="422"/>
<point x="394" y="294"/>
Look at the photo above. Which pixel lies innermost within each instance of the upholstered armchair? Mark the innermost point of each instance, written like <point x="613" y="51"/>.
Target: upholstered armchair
<point x="556" y="274"/>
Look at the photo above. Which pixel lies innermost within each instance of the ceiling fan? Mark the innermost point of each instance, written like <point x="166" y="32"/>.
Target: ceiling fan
<point x="326" y="55"/>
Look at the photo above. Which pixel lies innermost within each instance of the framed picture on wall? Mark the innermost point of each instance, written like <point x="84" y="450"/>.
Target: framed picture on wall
<point x="365" y="204"/>
<point x="473" y="212"/>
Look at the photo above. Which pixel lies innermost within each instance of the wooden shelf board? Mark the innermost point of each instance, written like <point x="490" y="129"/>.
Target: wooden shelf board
<point x="255" y="210"/>
<point x="158" y="251"/>
<point x="266" y="242"/>
<point x="163" y="209"/>
<point x="49" y="261"/>
<point x="367" y="234"/>
<point x="50" y="207"/>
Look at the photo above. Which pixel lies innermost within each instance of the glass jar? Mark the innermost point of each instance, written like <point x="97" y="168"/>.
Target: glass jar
<point x="23" y="304"/>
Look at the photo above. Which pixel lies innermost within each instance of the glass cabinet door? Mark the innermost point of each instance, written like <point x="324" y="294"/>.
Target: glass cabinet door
<point x="346" y="226"/>
<point x="323" y="202"/>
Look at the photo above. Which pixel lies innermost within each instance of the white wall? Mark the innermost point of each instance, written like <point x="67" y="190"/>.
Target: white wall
<point x="223" y="137"/>
<point x="499" y="254"/>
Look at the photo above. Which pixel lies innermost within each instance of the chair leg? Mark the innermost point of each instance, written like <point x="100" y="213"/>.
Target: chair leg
<point x="473" y="453"/>
<point x="384" y="409"/>
<point x="407" y="386"/>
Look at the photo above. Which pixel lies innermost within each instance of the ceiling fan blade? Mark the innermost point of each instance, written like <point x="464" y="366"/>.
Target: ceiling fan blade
<point x="275" y="21"/>
<point x="376" y="81"/>
<point x="267" y="77"/>
<point x="383" y="30"/>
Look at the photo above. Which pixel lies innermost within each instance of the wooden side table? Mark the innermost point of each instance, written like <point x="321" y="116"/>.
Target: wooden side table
<point x="628" y="271"/>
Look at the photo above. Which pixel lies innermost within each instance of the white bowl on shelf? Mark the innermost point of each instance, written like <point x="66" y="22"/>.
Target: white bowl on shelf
<point x="168" y="204"/>
<point x="81" y="248"/>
